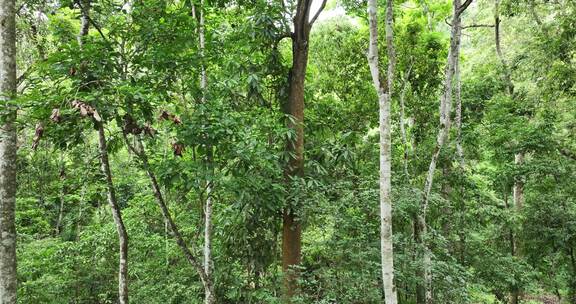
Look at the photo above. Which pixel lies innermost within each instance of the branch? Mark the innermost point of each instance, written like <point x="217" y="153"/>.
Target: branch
<point x="322" y="6"/>
<point x="478" y="25"/>
<point x="464" y="6"/>
<point x="285" y="35"/>
<point x="469" y="26"/>
<point x="95" y="25"/>
<point x="24" y="75"/>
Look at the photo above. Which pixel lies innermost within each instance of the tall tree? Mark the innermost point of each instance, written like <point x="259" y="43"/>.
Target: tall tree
<point x="117" y="215"/>
<point x="106" y="171"/>
<point x="8" y="146"/>
<point x="424" y="291"/>
<point x="208" y="263"/>
<point x="518" y="187"/>
<point x="291" y="227"/>
<point x="384" y="89"/>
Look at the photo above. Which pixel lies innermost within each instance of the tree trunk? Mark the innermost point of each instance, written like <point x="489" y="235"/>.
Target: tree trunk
<point x="444" y="128"/>
<point x="384" y="97"/>
<point x="208" y="292"/>
<point x="84" y="20"/>
<point x="518" y="188"/>
<point x="61" y="197"/>
<point x="60" y="212"/>
<point x="291" y="227"/>
<point x="105" y="168"/>
<point x="8" y="147"/>
<point x="117" y="215"/>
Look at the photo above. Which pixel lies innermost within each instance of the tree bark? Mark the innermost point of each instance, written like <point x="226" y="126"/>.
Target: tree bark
<point x="444" y="128"/>
<point x="8" y="147"/>
<point x="61" y="196"/>
<point x="294" y="107"/>
<point x="117" y="215"/>
<point x="384" y="97"/>
<point x="208" y="292"/>
<point x="105" y="168"/>
<point x="84" y="20"/>
<point x="518" y="187"/>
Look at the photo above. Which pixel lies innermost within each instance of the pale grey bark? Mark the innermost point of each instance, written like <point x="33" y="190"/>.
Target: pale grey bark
<point x="208" y="292"/>
<point x="60" y="212"/>
<point x="444" y="128"/>
<point x="8" y="146"/>
<point x="84" y="20"/>
<point x="384" y="97"/>
<point x="445" y="102"/>
<point x="117" y="215"/>
<point x="202" y="40"/>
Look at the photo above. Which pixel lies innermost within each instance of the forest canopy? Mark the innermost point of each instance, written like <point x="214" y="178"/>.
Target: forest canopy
<point x="288" y="151"/>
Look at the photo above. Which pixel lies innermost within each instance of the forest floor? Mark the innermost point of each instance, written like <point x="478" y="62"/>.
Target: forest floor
<point x="543" y="299"/>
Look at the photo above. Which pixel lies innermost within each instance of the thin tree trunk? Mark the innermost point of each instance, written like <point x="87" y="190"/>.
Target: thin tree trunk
<point x="60" y="212"/>
<point x="291" y="227"/>
<point x="209" y="292"/>
<point x="384" y="97"/>
<point x="506" y="70"/>
<point x="207" y="263"/>
<point x="84" y="20"/>
<point x="140" y="152"/>
<point x="8" y="147"/>
<point x="444" y="128"/>
<point x="518" y="188"/>
<point x="105" y="168"/>
<point x="61" y="197"/>
<point x="117" y="215"/>
<point x="80" y="208"/>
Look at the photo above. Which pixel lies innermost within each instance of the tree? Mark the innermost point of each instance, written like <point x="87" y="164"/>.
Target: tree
<point x="518" y="187"/>
<point x="106" y="171"/>
<point x="425" y="292"/>
<point x="384" y="90"/>
<point x="8" y="146"/>
<point x="294" y="107"/>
